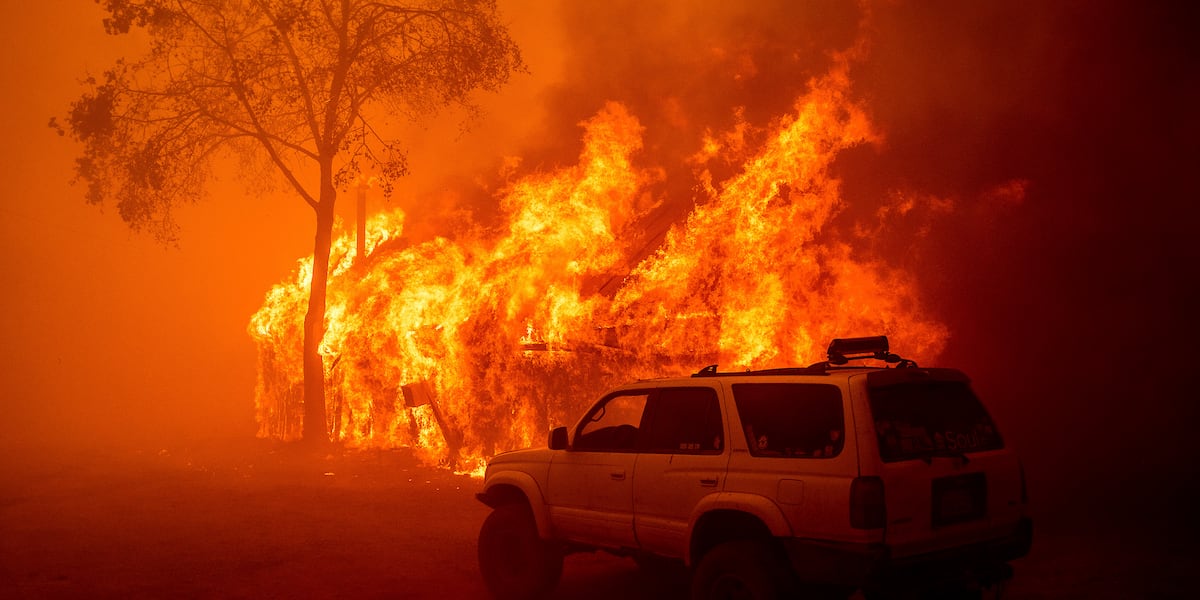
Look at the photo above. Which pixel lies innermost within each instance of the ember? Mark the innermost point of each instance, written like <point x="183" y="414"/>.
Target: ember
<point x="467" y="346"/>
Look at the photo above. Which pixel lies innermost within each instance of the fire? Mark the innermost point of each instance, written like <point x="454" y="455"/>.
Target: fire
<point x="462" y="348"/>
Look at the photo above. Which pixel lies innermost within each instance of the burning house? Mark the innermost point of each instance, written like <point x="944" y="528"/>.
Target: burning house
<point x="464" y="346"/>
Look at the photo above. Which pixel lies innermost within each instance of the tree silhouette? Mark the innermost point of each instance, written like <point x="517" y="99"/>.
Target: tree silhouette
<point x="301" y="86"/>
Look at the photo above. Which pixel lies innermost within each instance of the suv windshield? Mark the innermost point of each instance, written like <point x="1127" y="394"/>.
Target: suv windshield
<point x="919" y="419"/>
<point x="794" y="420"/>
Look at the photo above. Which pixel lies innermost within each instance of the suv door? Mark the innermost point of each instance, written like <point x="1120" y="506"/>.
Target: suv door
<point x="681" y="460"/>
<point x="792" y="447"/>
<point x="590" y="486"/>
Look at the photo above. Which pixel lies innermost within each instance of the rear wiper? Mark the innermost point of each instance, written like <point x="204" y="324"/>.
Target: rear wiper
<point x="928" y="458"/>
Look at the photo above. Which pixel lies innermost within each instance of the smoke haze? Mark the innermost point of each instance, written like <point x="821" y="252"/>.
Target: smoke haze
<point x="1034" y="165"/>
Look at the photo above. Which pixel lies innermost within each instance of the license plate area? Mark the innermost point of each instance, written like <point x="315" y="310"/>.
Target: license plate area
<point x="959" y="499"/>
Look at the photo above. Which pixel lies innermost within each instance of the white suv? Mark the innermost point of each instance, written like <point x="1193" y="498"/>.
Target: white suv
<point x="823" y="480"/>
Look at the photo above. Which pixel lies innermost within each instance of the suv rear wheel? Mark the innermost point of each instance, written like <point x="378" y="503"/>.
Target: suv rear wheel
<point x="516" y="564"/>
<point x="741" y="570"/>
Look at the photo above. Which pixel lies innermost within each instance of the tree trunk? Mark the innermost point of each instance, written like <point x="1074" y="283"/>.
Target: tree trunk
<point x="316" y="430"/>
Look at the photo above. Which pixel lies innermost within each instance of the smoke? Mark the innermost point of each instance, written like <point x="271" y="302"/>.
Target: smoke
<point x="1064" y="301"/>
<point x="683" y="69"/>
<point x="688" y="68"/>
<point x="1034" y="171"/>
<point x="1031" y="172"/>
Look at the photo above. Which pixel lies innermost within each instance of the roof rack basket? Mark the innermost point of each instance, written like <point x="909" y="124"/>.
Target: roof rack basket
<point x="843" y="350"/>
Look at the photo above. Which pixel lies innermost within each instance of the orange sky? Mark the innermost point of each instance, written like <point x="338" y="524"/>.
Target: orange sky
<point x="107" y="330"/>
<point x="107" y="333"/>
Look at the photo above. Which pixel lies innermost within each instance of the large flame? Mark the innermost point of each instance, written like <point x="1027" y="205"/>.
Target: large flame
<point x="463" y="347"/>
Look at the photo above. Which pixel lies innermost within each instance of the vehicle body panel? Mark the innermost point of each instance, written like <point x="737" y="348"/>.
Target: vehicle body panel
<point x="665" y="484"/>
<point x="590" y="497"/>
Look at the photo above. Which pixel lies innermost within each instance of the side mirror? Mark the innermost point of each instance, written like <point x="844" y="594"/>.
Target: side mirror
<point x="558" y="438"/>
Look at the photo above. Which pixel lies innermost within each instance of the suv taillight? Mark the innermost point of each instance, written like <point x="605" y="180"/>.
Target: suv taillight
<point x="867" y="508"/>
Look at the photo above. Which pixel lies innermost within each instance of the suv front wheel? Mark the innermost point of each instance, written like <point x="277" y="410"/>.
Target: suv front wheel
<point x="515" y="563"/>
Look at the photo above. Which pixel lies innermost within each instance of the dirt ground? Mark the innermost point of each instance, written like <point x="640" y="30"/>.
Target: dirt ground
<point x="253" y="519"/>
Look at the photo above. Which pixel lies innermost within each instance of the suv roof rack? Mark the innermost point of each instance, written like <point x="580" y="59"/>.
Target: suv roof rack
<point x="711" y="371"/>
<point x="841" y="351"/>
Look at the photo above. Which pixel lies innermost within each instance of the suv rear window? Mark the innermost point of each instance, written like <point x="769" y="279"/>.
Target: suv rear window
<point x="793" y="420"/>
<point x="918" y="419"/>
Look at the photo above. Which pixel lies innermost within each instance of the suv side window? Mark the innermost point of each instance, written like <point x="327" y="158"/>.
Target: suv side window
<point x="612" y="426"/>
<point x="683" y="421"/>
<point x="793" y="420"/>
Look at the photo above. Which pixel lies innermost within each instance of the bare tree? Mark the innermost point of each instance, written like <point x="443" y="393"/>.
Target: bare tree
<point x="299" y="85"/>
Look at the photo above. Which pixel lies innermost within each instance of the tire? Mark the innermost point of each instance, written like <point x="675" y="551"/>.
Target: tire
<point x="515" y="563"/>
<point x="741" y="570"/>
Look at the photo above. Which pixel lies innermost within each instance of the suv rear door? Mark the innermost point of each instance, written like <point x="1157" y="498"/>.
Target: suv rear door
<point x="790" y="446"/>
<point x="681" y="459"/>
<point x="948" y="479"/>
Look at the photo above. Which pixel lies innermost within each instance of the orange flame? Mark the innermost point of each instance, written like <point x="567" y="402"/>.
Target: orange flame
<point x="461" y="348"/>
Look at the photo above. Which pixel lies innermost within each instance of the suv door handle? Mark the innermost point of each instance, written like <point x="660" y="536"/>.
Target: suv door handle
<point x="617" y="475"/>
<point x="708" y="482"/>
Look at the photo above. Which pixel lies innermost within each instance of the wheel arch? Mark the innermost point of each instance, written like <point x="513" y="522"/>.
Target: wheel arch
<point x="508" y="488"/>
<point x="725" y="517"/>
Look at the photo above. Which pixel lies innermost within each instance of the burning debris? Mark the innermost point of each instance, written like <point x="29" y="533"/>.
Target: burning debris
<point x="465" y="347"/>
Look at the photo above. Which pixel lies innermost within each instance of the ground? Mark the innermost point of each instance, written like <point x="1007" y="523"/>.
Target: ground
<point x="255" y="519"/>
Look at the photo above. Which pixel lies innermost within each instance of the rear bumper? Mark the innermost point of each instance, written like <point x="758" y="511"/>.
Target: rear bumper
<point x="872" y="565"/>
